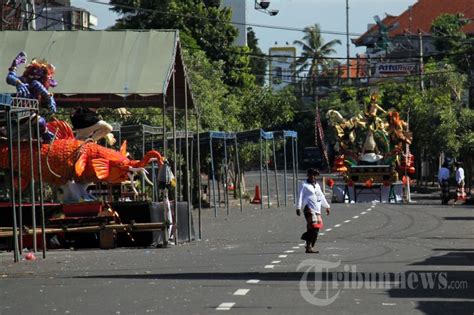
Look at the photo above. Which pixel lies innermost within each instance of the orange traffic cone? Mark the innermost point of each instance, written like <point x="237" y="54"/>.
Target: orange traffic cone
<point x="256" y="197"/>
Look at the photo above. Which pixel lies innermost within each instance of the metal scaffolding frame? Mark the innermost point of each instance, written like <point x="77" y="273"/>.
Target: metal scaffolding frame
<point x="23" y="108"/>
<point x="171" y="91"/>
<point x="150" y="137"/>
<point x="293" y="136"/>
<point x="253" y="136"/>
<point x="262" y="137"/>
<point x="224" y="137"/>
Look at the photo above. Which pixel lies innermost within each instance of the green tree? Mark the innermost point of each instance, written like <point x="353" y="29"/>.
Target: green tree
<point x="447" y="31"/>
<point x="238" y="68"/>
<point x="202" y="25"/>
<point x="267" y="109"/>
<point x="466" y="139"/>
<point x="315" y="53"/>
<point x="208" y="24"/>
<point x="452" y="42"/>
<point x="258" y="62"/>
<point x="218" y="109"/>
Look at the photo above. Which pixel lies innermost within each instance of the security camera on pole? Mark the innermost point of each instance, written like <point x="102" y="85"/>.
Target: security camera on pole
<point x="263" y="5"/>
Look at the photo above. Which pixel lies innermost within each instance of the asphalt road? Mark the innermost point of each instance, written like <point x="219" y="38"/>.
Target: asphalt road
<point x="253" y="262"/>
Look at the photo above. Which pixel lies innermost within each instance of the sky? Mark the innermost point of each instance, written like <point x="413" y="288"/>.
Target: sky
<point x="329" y="14"/>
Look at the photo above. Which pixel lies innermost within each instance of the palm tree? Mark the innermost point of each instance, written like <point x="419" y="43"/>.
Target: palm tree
<point x="314" y="52"/>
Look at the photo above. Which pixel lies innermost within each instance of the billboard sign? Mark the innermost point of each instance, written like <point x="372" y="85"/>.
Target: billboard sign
<point x="396" y="69"/>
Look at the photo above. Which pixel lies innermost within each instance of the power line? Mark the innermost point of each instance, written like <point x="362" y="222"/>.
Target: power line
<point x="288" y="28"/>
<point x="263" y="55"/>
<point x="444" y="54"/>
<point x="285" y="28"/>
<point x="360" y="58"/>
<point x="329" y="77"/>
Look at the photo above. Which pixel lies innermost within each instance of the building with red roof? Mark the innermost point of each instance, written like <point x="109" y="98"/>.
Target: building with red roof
<point x="393" y="43"/>
<point x="418" y="17"/>
<point x="357" y="68"/>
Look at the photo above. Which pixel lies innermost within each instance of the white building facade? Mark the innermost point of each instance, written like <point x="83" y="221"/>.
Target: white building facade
<point x="239" y="16"/>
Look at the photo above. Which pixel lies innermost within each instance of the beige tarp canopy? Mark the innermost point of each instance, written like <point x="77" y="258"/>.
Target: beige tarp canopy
<point x="104" y="68"/>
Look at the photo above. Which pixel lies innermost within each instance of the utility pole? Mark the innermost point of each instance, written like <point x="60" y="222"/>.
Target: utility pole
<point x="420" y="43"/>
<point x="357" y="70"/>
<point x="407" y="161"/>
<point x="46" y="14"/>
<point x="368" y="69"/>
<point x="1" y="16"/>
<point x="471" y="88"/>
<point x="30" y="14"/>
<point x="347" y="38"/>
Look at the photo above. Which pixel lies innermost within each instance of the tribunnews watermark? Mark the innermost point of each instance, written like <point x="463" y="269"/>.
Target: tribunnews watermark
<point x="321" y="287"/>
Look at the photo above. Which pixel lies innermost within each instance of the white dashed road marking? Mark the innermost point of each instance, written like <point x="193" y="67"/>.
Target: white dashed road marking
<point x="241" y="291"/>
<point x="228" y="305"/>
<point x="389" y="304"/>
<point x="225" y="306"/>
<point x="253" y="281"/>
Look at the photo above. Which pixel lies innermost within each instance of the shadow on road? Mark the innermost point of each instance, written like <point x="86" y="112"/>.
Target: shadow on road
<point x="448" y="285"/>
<point x="455" y="258"/>
<point x="446" y="307"/>
<point x="262" y="276"/>
<point x="459" y="218"/>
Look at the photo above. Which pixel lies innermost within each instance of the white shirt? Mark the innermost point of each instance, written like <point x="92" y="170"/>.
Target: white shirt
<point x="459" y="175"/>
<point x="312" y="196"/>
<point x="443" y="174"/>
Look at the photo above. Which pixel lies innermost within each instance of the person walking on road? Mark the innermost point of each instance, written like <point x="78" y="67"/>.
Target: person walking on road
<point x="443" y="177"/>
<point x="311" y="199"/>
<point x="460" y="193"/>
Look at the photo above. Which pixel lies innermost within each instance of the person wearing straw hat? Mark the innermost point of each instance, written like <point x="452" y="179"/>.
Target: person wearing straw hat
<point x="311" y="199"/>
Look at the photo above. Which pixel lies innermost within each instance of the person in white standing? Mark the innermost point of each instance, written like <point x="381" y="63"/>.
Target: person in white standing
<point x="311" y="199"/>
<point x="461" y="194"/>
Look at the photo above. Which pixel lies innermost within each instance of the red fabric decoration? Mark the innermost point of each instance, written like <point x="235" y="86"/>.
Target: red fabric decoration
<point x="330" y="182"/>
<point x="318" y="225"/>
<point x="368" y="183"/>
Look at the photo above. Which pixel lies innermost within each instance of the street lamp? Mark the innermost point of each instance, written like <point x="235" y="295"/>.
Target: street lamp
<point x="263" y="5"/>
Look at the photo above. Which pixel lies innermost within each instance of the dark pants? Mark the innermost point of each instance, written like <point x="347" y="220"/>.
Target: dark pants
<point x="444" y="192"/>
<point x="311" y="234"/>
